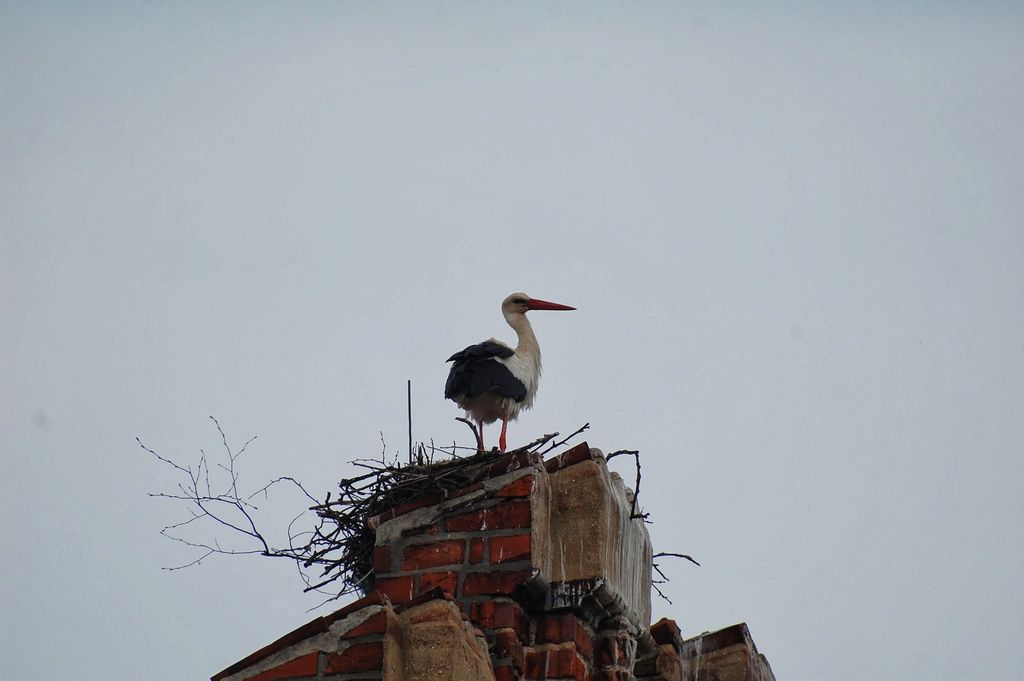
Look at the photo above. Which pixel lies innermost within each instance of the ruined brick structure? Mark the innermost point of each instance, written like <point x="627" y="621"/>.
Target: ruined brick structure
<point x="533" y="571"/>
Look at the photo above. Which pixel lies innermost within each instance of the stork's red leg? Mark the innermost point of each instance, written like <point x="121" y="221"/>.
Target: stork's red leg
<point x="480" y="434"/>
<point x="501" y="440"/>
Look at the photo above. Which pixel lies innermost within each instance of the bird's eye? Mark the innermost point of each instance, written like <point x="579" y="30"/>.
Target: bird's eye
<point x="520" y="301"/>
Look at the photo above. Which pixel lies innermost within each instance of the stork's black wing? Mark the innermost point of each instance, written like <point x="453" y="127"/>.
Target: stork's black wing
<point x="476" y="371"/>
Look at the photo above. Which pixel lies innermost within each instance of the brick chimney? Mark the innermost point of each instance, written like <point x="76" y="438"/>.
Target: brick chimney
<point x="534" y="570"/>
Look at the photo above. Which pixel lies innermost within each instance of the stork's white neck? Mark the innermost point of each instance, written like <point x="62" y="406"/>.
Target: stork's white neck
<point x="527" y="346"/>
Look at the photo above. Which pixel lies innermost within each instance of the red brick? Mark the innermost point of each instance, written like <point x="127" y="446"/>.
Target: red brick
<point x="508" y="549"/>
<point x="482" y="613"/>
<point x="476" y="550"/>
<point x="666" y="631"/>
<point x="510" y="462"/>
<point x="382" y="559"/>
<point x="570" y="457"/>
<point x="375" y="625"/>
<point x="523" y="487"/>
<point x="484" y="583"/>
<point x="507" y="644"/>
<point x="508" y="515"/>
<point x="494" y="614"/>
<point x="555" y="663"/>
<point x="613" y="651"/>
<point x="445" y="552"/>
<point x="505" y="673"/>
<point x="359" y="657"/>
<point x="398" y="589"/>
<point x="435" y="594"/>
<point x="297" y="668"/>
<point x="465" y="522"/>
<point x="410" y="506"/>
<point x="446" y="581"/>
<point x="317" y="626"/>
<point x="563" y="629"/>
<point x="557" y="628"/>
<point x="466" y="490"/>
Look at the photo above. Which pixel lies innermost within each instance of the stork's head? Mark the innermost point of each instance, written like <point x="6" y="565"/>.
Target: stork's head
<point x="520" y="303"/>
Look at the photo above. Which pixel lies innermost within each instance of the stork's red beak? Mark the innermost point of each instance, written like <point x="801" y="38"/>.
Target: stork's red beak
<point x="536" y="304"/>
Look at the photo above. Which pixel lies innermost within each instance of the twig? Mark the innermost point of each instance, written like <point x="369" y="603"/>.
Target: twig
<point x="288" y="479"/>
<point x="633" y="515"/>
<point x="478" y="435"/>
<point x="676" y="555"/>
<point x="579" y="430"/>
<point x="334" y="556"/>
<point x="539" y="442"/>
<point x="664" y="578"/>
<point x="227" y="509"/>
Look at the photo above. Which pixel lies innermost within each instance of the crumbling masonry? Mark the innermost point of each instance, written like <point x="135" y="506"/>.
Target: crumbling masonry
<point x="534" y="571"/>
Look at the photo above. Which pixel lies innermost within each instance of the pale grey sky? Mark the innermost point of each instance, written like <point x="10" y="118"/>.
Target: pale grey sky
<point x="794" y="236"/>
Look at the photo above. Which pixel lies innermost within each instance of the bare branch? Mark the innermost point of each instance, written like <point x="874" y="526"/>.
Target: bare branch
<point x="334" y="553"/>
<point x="676" y="555"/>
<point x="633" y="514"/>
<point x="197" y="561"/>
<point x="227" y="509"/>
<point x="263" y="490"/>
<point x="166" y="461"/>
<point x="477" y="435"/>
<point x="539" y="442"/>
<point x="579" y="430"/>
<point x="666" y="598"/>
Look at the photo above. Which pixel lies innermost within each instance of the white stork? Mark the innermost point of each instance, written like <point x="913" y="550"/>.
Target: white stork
<point x="492" y="381"/>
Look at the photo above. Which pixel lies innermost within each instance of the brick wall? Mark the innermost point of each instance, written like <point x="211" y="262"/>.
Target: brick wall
<point x="533" y="571"/>
<point x="490" y="547"/>
<point x="726" y="654"/>
<point x="477" y="544"/>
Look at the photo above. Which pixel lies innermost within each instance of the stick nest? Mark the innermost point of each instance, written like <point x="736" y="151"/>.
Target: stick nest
<point x="343" y="541"/>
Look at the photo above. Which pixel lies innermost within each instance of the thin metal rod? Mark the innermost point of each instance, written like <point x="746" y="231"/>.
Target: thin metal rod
<point x="408" y="404"/>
